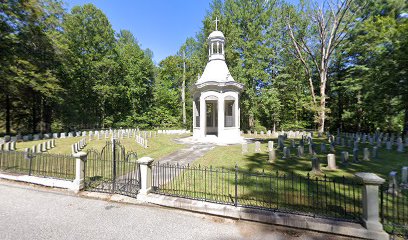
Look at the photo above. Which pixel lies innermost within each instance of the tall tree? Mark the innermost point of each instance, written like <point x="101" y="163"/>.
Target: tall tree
<point x="326" y="27"/>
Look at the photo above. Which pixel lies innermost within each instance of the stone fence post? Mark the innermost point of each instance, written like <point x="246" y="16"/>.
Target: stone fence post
<point x="371" y="210"/>
<point x="78" y="183"/>
<point x="145" y="164"/>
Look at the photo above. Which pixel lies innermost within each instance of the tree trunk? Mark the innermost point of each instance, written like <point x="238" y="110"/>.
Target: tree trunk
<point x="34" y="115"/>
<point x="183" y="91"/>
<point x="322" y="107"/>
<point x="8" y="117"/>
<point x="405" y="131"/>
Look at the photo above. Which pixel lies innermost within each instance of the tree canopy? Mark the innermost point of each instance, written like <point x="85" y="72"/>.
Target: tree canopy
<point x="316" y="65"/>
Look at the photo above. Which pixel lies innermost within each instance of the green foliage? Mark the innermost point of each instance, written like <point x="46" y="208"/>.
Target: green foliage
<point x="61" y="71"/>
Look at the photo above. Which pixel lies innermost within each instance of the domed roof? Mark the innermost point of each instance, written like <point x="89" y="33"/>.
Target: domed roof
<point x="216" y="71"/>
<point x="216" y="34"/>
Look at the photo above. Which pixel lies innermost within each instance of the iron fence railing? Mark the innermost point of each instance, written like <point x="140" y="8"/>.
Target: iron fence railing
<point x="394" y="209"/>
<point x="338" y="198"/>
<point x="112" y="170"/>
<point x="38" y="164"/>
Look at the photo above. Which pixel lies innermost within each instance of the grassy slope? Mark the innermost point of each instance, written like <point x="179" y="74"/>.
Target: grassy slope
<point x="159" y="146"/>
<point x="228" y="156"/>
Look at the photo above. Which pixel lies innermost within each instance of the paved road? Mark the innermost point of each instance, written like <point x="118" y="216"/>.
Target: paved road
<point x="32" y="212"/>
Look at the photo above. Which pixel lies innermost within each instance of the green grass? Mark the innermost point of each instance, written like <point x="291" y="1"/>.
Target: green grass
<point x="159" y="146"/>
<point x="228" y="156"/>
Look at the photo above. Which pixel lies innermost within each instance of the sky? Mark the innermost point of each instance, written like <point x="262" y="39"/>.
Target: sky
<point x="160" y="25"/>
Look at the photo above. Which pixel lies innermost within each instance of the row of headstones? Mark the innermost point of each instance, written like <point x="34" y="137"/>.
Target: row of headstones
<point x="96" y="134"/>
<point x="377" y="138"/>
<point x="173" y="131"/>
<point x="141" y="141"/>
<point x="394" y="186"/>
<point x="78" y="146"/>
<point x="8" y="146"/>
<point x="42" y="147"/>
<point x="355" y="144"/>
<point x="287" y="134"/>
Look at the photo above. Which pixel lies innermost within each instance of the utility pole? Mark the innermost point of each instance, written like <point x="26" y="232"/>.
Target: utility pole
<point x="183" y="89"/>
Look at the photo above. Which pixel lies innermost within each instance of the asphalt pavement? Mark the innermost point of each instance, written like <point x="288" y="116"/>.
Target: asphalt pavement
<point x="34" y="212"/>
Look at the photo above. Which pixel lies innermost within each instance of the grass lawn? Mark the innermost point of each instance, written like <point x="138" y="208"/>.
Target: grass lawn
<point x="228" y="156"/>
<point x="159" y="146"/>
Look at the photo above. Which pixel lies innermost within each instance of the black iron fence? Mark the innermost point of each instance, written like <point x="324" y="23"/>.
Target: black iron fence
<point x="394" y="209"/>
<point x="338" y="198"/>
<point x="38" y="164"/>
<point x="112" y="170"/>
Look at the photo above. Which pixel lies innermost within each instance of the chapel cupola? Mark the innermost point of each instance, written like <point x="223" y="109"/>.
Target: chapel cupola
<point x="216" y="41"/>
<point x="216" y="111"/>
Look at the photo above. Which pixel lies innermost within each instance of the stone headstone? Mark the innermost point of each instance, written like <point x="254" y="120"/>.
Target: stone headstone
<point x="36" y="137"/>
<point x="393" y="187"/>
<point x="375" y="152"/>
<point x="244" y="148"/>
<point x="400" y="147"/>
<point x="53" y="143"/>
<point x="388" y="145"/>
<point x="55" y="135"/>
<point x="323" y="148"/>
<point x="331" y="161"/>
<point x="62" y="135"/>
<point x="355" y="155"/>
<point x="34" y="149"/>
<point x="300" y="151"/>
<point x="257" y="147"/>
<point x="25" y="138"/>
<point x="355" y="145"/>
<point x="286" y="153"/>
<point x="311" y="149"/>
<point x="315" y="165"/>
<point x="272" y="156"/>
<point x="13" y="146"/>
<point x="73" y="149"/>
<point x="404" y="175"/>
<point x="39" y="148"/>
<point x="71" y="134"/>
<point x="366" y="154"/>
<point x="344" y="157"/>
<point x="270" y="146"/>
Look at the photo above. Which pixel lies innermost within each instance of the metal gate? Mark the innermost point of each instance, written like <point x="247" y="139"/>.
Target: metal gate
<point x="112" y="170"/>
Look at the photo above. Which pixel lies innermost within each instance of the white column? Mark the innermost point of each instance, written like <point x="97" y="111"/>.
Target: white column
<point x="221" y="115"/>
<point x="222" y="48"/>
<point x="218" y="47"/>
<point x="236" y="114"/>
<point x="202" y="116"/>
<point x="194" y="114"/>
<point x="212" y="48"/>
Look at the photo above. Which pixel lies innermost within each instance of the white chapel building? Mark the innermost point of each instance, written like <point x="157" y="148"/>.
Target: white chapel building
<point x="216" y="111"/>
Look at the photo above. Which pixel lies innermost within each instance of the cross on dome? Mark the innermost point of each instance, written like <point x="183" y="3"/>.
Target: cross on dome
<point x="216" y="23"/>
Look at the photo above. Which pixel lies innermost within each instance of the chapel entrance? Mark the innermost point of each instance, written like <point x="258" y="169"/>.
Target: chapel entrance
<point x="211" y="117"/>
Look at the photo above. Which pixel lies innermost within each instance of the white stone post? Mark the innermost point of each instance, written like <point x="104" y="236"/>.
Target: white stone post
<point x="145" y="165"/>
<point x="78" y="183"/>
<point x="370" y="190"/>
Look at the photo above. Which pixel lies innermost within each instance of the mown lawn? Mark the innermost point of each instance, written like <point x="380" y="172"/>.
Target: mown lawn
<point x="159" y="146"/>
<point x="228" y="156"/>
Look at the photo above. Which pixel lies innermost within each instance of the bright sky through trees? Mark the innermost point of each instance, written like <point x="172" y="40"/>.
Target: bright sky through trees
<point x="160" y="25"/>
